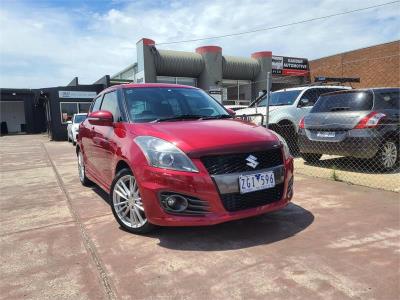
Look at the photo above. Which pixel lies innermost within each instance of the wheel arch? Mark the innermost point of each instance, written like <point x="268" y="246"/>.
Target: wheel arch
<point x="121" y="164"/>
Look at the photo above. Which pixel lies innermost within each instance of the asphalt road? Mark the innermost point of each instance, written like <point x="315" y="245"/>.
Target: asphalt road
<point x="58" y="240"/>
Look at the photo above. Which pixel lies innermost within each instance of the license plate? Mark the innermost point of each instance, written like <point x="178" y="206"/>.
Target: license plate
<point x="256" y="182"/>
<point x="326" y="134"/>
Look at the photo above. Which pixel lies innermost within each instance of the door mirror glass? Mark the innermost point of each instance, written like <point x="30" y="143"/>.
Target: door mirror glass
<point x="304" y="102"/>
<point x="101" y="118"/>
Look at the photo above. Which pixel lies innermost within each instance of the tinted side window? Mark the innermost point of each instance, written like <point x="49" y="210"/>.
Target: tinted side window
<point x="96" y="104"/>
<point x="110" y="103"/>
<point x="387" y="100"/>
<point x="312" y="96"/>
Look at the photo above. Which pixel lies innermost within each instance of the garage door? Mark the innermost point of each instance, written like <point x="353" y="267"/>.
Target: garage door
<point x="13" y="113"/>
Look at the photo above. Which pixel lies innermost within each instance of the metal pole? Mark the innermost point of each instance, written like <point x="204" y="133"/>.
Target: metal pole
<point x="267" y="102"/>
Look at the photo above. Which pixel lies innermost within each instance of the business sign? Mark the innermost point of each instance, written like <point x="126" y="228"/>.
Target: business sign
<point x="216" y="93"/>
<point x="289" y="66"/>
<point x="76" y="94"/>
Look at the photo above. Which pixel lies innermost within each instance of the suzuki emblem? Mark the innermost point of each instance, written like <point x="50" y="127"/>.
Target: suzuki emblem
<point x="252" y="161"/>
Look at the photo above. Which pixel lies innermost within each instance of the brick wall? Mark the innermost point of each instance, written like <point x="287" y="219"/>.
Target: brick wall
<point x="377" y="66"/>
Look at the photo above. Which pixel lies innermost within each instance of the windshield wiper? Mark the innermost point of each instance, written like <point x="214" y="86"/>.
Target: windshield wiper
<point x="339" y="108"/>
<point x="178" y="117"/>
<point x="217" y="117"/>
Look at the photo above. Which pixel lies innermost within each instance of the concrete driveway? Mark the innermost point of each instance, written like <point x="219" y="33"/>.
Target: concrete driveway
<point x="59" y="241"/>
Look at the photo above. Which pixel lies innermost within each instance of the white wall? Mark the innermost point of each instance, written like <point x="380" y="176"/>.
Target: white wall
<point x="13" y="113"/>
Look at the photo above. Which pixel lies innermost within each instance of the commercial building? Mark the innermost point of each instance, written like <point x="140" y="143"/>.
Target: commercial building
<point x="376" y="66"/>
<point x="230" y="79"/>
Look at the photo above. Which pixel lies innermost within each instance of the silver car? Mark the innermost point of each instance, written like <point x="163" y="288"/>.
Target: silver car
<point x="288" y="107"/>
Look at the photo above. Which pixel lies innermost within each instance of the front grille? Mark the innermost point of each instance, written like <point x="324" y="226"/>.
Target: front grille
<point x="233" y="163"/>
<point x="237" y="201"/>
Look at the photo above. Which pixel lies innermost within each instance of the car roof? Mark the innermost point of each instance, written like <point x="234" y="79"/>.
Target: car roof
<point x="366" y="90"/>
<point x="302" y="88"/>
<point x="147" y="85"/>
<point x="80" y="114"/>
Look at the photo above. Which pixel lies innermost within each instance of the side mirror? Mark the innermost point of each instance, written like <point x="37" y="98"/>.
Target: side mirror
<point x="304" y="102"/>
<point x="231" y="112"/>
<point x="69" y="122"/>
<point x="101" y="118"/>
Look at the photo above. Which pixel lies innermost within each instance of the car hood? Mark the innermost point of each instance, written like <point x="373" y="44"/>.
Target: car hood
<point x="210" y="137"/>
<point x="260" y="110"/>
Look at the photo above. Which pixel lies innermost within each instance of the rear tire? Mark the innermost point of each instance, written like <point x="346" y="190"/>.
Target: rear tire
<point x="387" y="156"/>
<point x="82" y="170"/>
<point x="126" y="203"/>
<point x="311" y="157"/>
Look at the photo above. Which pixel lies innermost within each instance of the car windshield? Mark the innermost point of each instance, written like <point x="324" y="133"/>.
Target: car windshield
<point x="79" y="118"/>
<point x="168" y="104"/>
<point x="280" y="98"/>
<point x="343" y="101"/>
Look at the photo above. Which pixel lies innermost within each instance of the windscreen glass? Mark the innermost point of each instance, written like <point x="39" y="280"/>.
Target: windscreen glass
<point x="152" y="104"/>
<point x="79" y="118"/>
<point x="280" y="98"/>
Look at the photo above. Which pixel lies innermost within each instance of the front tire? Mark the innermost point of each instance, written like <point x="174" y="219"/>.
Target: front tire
<point x="311" y="157"/>
<point x="387" y="156"/>
<point x="126" y="203"/>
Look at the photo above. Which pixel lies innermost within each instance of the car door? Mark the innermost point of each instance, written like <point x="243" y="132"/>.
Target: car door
<point x="306" y="102"/>
<point x="105" y="139"/>
<point x="86" y="134"/>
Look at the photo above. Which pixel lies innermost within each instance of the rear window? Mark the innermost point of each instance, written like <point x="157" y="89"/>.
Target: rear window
<point x="348" y="101"/>
<point x="387" y="100"/>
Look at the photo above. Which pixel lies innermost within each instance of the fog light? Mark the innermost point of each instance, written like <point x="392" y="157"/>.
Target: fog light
<point x="176" y="203"/>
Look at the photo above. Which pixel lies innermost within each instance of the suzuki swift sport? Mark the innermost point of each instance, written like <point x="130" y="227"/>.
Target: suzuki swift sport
<point x="171" y="155"/>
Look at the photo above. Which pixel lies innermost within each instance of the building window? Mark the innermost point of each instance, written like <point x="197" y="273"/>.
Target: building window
<point x="186" y="81"/>
<point x="177" y="80"/>
<point x="68" y="109"/>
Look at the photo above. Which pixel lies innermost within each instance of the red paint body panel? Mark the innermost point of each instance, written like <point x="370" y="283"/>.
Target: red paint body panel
<point x="104" y="147"/>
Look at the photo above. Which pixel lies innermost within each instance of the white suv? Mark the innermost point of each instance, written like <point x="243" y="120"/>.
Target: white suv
<point x="287" y="107"/>
<point x="73" y="127"/>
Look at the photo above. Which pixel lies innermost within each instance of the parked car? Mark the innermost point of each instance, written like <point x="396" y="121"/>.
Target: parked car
<point x="360" y="123"/>
<point x="73" y="127"/>
<point x="171" y="155"/>
<point x="287" y="107"/>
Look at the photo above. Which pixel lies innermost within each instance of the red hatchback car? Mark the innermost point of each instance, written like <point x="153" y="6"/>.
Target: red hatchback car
<point x="171" y="155"/>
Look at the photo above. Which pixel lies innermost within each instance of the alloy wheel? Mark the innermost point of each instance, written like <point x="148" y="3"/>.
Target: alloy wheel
<point x="389" y="154"/>
<point x="127" y="202"/>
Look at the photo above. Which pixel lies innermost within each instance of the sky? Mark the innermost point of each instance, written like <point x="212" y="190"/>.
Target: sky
<point x="47" y="43"/>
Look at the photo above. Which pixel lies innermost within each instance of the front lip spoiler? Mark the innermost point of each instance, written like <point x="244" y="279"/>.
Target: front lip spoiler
<point x="229" y="183"/>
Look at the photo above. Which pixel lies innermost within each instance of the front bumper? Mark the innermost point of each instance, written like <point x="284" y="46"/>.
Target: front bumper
<point x="154" y="181"/>
<point x="359" y="143"/>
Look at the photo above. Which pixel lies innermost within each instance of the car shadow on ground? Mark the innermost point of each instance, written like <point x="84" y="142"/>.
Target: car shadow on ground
<point x="250" y="232"/>
<point x="260" y="230"/>
<point x="351" y="164"/>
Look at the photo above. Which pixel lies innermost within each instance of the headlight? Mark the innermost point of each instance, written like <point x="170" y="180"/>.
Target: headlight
<point x="286" y="151"/>
<point x="162" y="154"/>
